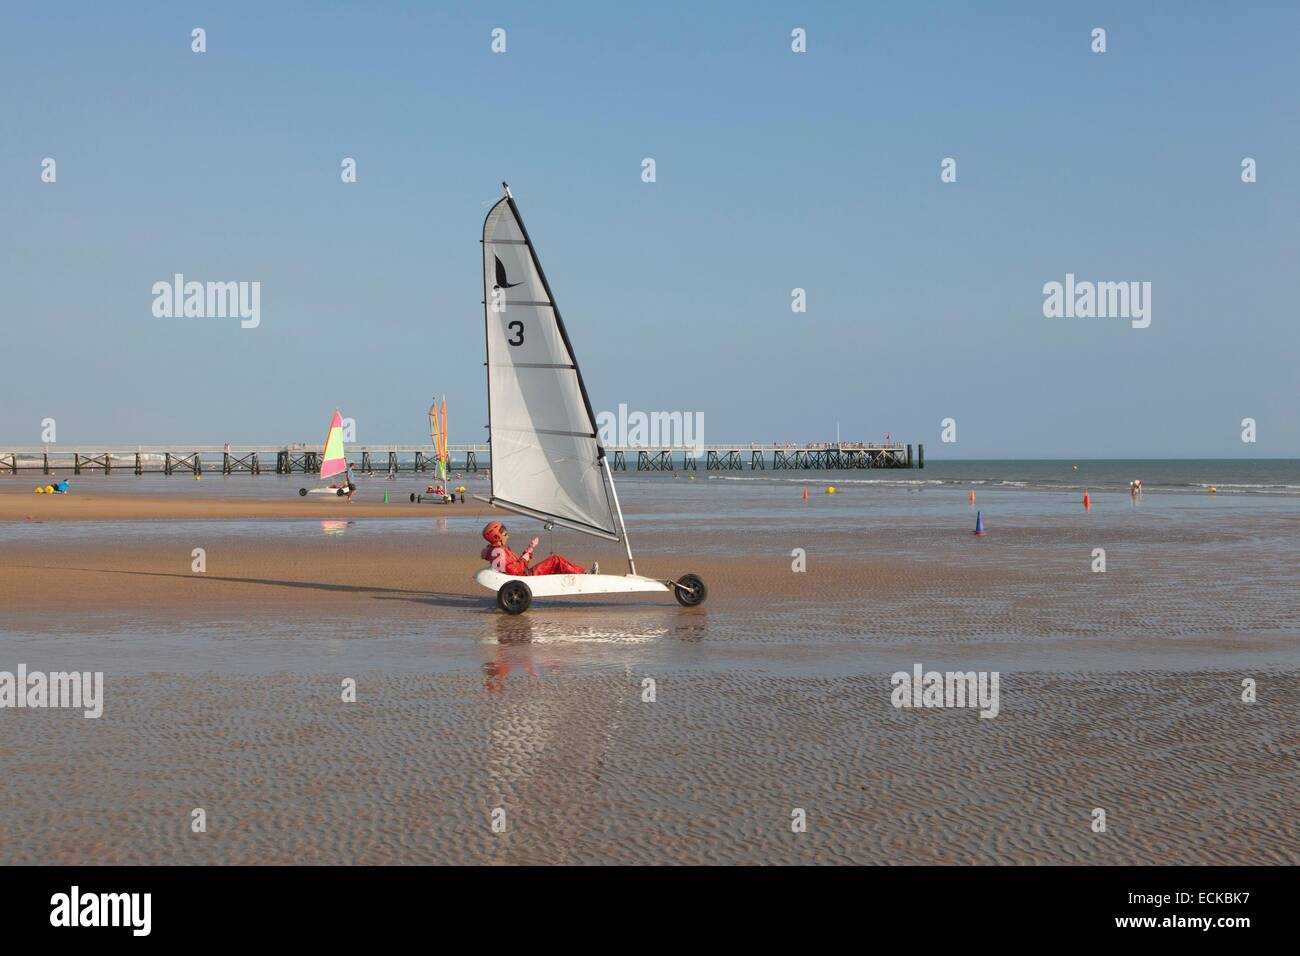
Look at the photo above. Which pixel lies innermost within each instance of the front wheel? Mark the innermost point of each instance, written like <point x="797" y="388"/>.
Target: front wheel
<point x="514" y="597"/>
<point x="302" y="492"/>
<point x="690" y="590"/>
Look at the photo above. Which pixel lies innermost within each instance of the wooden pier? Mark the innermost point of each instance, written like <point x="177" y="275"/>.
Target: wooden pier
<point x="381" y="459"/>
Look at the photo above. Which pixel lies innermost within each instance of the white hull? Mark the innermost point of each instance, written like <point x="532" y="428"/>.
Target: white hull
<point x="573" y="585"/>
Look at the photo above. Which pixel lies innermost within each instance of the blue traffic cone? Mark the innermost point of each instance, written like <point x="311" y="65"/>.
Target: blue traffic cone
<point x="979" y="523"/>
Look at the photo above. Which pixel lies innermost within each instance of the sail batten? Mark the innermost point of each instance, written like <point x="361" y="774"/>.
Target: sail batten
<point x="545" y="450"/>
<point x="542" y="365"/>
<point x="549" y="431"/>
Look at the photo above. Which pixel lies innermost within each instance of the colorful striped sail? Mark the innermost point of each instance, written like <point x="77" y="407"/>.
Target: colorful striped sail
<point x="333" y="461"/>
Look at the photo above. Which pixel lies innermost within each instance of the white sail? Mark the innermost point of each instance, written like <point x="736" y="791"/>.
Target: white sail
<point x="546" y="457"/>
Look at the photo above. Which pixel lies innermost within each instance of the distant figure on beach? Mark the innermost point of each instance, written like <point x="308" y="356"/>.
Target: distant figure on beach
<point x="1135" y="487"/>
<point x="507" y="562"/>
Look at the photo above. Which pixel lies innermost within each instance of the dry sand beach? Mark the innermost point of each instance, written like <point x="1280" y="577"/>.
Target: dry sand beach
<point x="1119" y="691"/>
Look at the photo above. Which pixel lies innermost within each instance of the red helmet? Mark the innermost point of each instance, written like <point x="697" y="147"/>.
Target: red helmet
<point x="493" y="532"/>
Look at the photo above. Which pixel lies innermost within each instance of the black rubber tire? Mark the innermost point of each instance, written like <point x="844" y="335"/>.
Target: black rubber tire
<point x="302" y="492"/>
<point x="514" y="597"/>
<point x="341" y="492"/>
<point x="695" y="592"/>
<point x="412" y="497"/>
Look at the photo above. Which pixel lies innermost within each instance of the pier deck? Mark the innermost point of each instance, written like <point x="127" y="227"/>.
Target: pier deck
<point x="369" y="459"/>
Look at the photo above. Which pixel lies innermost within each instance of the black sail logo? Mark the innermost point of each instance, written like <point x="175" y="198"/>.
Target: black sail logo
<point x="502" y="282"/>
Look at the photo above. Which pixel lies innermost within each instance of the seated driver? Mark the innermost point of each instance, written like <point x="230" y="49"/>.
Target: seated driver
<point x="507" y="562"/>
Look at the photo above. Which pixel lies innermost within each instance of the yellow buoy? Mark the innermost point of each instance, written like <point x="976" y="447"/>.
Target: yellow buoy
<point x="40" y="490"/>
<point x="49" y="489"/>
<point x="692" y="477"/>
<point x="197" y="477"/>
<point x="830" y="490"/>
<point x="1214" y="491"/>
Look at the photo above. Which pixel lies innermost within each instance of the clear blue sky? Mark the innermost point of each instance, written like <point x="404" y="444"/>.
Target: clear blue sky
<point x="775" y="170"/>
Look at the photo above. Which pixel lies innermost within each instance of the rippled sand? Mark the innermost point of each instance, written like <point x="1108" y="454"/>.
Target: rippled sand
<point x="709" y="773"/>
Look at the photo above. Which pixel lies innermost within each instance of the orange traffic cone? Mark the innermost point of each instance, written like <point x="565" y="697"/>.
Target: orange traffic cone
<point x="972" y="496"/>
<point x="805" y="494"/>
<point x="1087" y="502"/>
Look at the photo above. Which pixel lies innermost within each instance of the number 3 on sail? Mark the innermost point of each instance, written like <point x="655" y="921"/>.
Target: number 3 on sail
<point x="547" y="460"/>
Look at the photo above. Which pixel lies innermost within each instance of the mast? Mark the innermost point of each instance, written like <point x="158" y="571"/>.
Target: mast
<point x="627" y="544"/>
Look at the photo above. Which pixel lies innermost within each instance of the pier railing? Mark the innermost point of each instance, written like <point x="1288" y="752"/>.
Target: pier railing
<point x="229" y="459"/>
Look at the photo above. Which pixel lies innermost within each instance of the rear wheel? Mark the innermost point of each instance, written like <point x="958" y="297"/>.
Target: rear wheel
<point x="690" y="590"/>
<point x="514" y="597"/>
<point x="302" y="492"/>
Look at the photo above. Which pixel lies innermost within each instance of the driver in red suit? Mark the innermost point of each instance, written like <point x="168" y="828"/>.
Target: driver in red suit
<point x="507" y="562"/>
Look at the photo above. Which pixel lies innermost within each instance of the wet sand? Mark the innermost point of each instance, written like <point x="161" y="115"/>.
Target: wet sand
<point x="710" y="773"/>
<point x="223" y="692"/>
<point x="80" y="506"/>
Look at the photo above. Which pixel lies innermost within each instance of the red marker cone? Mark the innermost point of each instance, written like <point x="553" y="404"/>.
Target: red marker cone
<point x="972" y="496"/>
<point x="805" y="494"/>
<point x="979" y="523"/>
<point x="1087" y="502"/>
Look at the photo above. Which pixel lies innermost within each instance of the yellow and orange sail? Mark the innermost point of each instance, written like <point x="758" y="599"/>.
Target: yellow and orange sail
<point x="438" y="435"/>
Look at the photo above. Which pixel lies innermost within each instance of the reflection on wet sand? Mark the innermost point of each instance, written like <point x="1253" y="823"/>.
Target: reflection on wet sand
<point x="624" y="626"/>
<point x="535" y="737"/>
<point x="532" y="646"/>
<point x="538" y="740"/>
